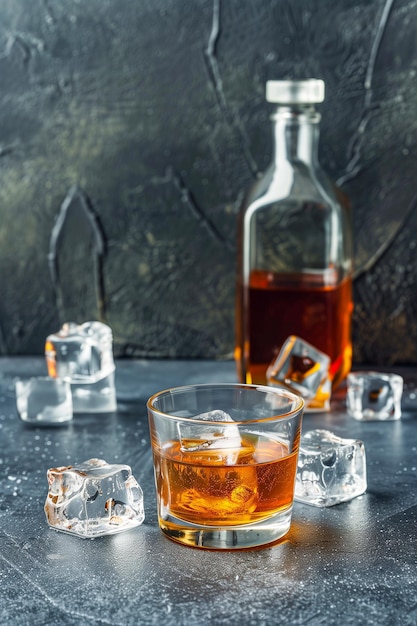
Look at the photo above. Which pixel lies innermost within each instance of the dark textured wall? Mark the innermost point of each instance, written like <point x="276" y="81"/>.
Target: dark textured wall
<point x="130" y="129"/>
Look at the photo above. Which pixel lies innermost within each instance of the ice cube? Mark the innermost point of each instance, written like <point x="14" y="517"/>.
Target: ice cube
<point x="83" y="356"/>
<point x="321" y="401"/>
<point x="374" y="396"/>
<point x="80" y="353"/>
<point x="94" y="498"/>
<point x="304" y="369"/>
<point x="42" y="400"/>
<point x="194" y="437"/>
<point x="330" y="469"/>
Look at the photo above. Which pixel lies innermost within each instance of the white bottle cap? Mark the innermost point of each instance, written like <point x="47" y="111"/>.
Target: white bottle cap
<point x="309" y="91"/>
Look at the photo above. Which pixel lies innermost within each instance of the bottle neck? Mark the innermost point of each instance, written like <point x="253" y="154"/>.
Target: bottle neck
<point x="296" y="134"/>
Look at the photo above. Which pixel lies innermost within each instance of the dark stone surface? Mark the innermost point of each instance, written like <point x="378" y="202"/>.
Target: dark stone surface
<point x="355" y="563"/>
<point x="154" y="112"/>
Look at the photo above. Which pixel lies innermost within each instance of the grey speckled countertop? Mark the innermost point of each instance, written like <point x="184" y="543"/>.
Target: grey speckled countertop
<point x="355" y="563"/>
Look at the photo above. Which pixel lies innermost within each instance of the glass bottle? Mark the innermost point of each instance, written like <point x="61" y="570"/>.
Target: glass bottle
<point x="295" y="246"/>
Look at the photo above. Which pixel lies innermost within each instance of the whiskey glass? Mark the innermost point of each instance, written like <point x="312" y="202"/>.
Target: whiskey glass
<point x="225" y="461"/>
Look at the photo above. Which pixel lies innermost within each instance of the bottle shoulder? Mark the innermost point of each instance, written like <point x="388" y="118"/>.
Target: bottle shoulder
<point x="298" y="183"/>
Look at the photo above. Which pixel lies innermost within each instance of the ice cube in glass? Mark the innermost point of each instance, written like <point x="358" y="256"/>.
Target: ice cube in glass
<point x="330" y="469"/>
<point x="220" y="436"/>
<point x="374" y="396"/>
<point x="83" y="356"/>
<point x="219" y="433"/>
<point x="93" y="498"/>
<point x="42" y="400"/>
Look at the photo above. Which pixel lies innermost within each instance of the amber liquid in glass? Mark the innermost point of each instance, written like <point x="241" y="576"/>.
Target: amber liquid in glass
<point x="226" y="487"/>
<point x="280" y="306"/>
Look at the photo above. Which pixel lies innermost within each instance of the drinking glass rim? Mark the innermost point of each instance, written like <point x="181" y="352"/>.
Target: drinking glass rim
<point x="279" y="391"/>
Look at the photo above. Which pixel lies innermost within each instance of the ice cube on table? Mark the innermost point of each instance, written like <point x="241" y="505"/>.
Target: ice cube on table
<point x="304" y="369"/>
<point x="321" y="401"/>
<point x="83" y="356"/>
<point x="374" y="396"/>
<point x="330" y="469"/>
<point x="42" y="400"/>
<point x="217" y="435"/>
<point x="93" y="498"/>
<point x="97" y="397"/>
<point x="80" y="352"/>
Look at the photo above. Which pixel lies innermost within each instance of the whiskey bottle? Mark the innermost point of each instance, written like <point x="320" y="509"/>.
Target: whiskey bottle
<point x="295" y="245"/>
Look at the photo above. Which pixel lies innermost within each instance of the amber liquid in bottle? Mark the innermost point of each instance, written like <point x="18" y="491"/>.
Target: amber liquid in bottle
<point x="284" y="305"/>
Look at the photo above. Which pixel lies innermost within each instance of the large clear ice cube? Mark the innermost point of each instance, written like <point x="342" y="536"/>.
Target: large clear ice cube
<point x="42" y="400"/>
<point x="330" y="469"/>
<point x="217" y="435"/>
<point x="374" y="396"/>
<point x="94" y="498"/>
<point x="83" y="356"/>
<point x="304" y="369"/>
